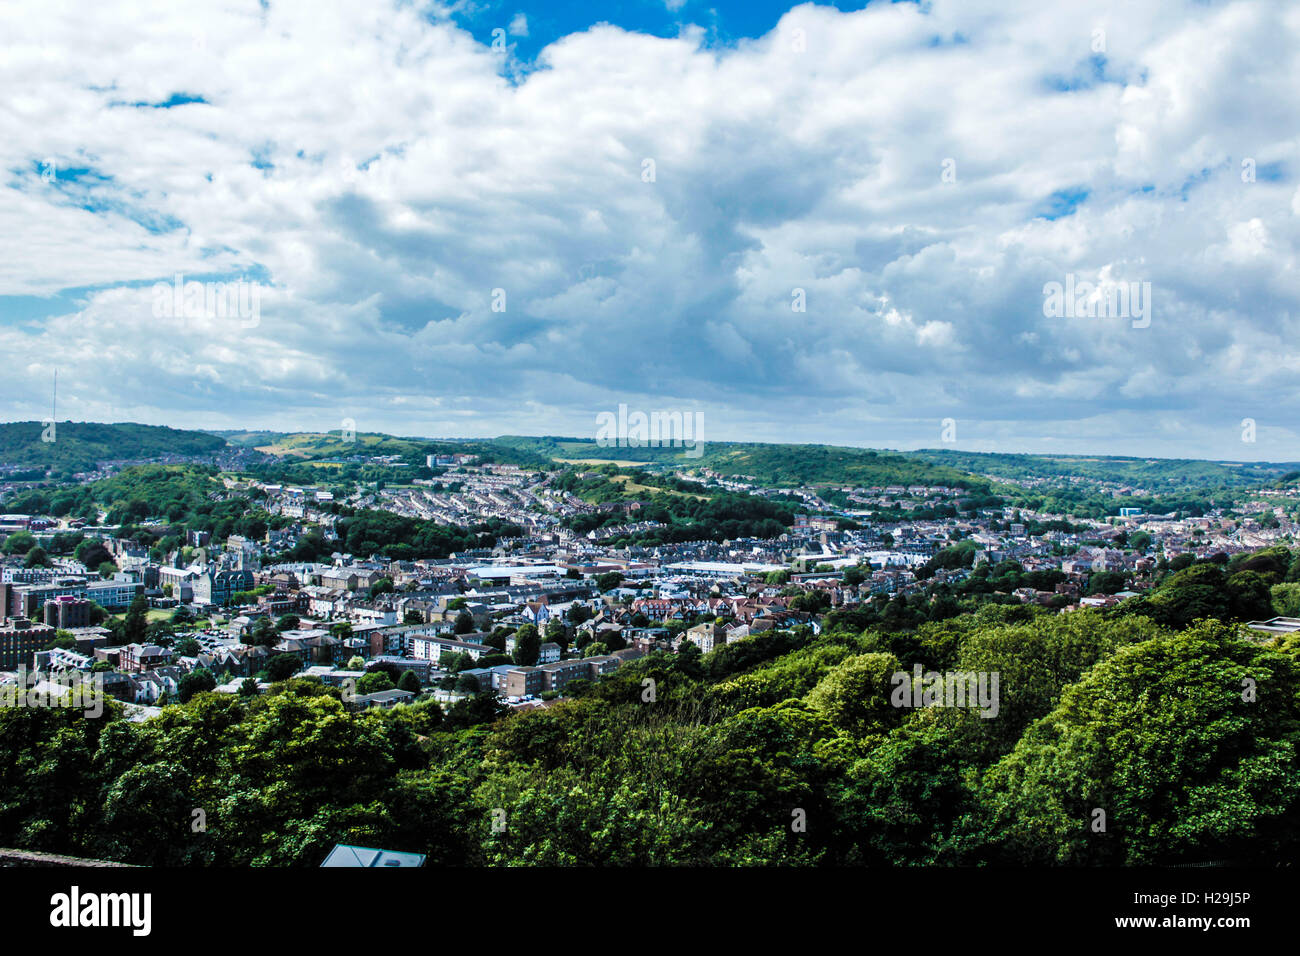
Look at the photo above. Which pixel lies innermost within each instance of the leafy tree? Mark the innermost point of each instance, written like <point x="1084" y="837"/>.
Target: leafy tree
<point x="1195" y="592"/>
<point x="482" y="708"/>
<point x="282" y="666"/>
<point x="905" y="802"/>
<point x="528" y="645"/>
<point x="557" y="633"/>
<point x="608" y="580"/>
<point x="136" y="622"/>
<point x="263" y="633"/>
<point x="1163" y="736"/>
<point x="856" y="694"/>
<point x="63" y="640"/>
<point x="195" y="682"/>
<point x="813" y="602"/>
<point x="1105" y="582"/>
<point x="20" y="542"/>
<point x="467" y="684"/>
<point x="1271" y="564"/>
<point x="1285" y="599"/>
<point x="374" y="681"/>
<point x="1249" y="598"/>
<point x="93" y="554"/>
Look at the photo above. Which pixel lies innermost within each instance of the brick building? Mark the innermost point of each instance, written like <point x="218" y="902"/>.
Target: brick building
<point x="20" y="639"/>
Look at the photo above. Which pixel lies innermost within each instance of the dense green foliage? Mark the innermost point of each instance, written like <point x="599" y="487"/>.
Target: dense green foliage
<point x="782" y="748"/>
<point x="1206" y="590"/>
<point x="79" y="446"/>
<point x="686" y="511"/>
<point x="784" y="464"/>
<point x="182" y="497"/>
<point x="370" y="532"/>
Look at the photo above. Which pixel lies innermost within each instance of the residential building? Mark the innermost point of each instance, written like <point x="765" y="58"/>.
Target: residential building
<point x="20" y="639"/>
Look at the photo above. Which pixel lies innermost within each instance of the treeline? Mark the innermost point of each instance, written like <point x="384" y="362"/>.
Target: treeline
<point x="1165" y="472"/>
<point x="1091" y="502"/>
<point x="367" y="532"/>
<point x="793" y="465"/>
<point x="779" y="749"/>
<point x="180" y="498"/>
<point x="1245" y="587"/>
<point x="692" y="513"/>
<point x="188" y="496"/>
<point x="978" y="500"/>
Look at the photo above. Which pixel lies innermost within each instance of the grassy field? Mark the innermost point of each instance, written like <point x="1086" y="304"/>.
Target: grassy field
<point x="598" y="461"/>
<point x="154" y="614"/>
<point x="332" y="445"/>
<point x="637" y="488"/>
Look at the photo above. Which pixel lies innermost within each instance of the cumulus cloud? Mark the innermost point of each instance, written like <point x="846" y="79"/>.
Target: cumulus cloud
<point x="454" y="243"/>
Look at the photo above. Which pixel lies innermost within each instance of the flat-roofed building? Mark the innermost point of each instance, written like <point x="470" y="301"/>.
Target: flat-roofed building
<point x="602" y="664"/>
<point x="66" y="612"/>
<point x="431" y="647"/>
<point x="1276" y="625"/>
<point x="20" y="639"/>
<point x="525" y="682"/>
<point x="561" y="673"/>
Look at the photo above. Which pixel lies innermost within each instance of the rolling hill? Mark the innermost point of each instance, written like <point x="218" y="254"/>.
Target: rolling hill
<point x="314" y="446"/>
<point x="79" y="446"/>
<point x="1156" y="473"/>
<point x="772" y="464"/>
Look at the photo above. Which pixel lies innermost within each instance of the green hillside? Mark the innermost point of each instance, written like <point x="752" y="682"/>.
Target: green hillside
<point x="829" y="465"/>
<point x="577" y="449"/>
<point x="778" y="464"/>
<point x="310" y="445"/>
<point x="773" y="464"/>
<point x="78" y="446"/>
<point x="1163" y="473"/>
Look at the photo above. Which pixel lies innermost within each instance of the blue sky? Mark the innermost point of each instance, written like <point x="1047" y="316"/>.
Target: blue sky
<point x="816" y="222"/>
<point x="725" y="23"/>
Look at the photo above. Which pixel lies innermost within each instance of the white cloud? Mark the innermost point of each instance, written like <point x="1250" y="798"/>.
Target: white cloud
<point x="376" y="168"/>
